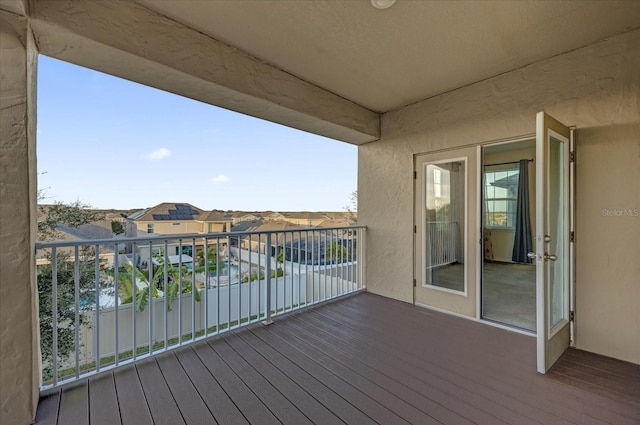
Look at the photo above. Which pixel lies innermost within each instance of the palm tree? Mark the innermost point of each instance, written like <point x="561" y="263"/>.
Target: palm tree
<point x="125" y="287"/>
<point x="176" y="278"/>
<point x="212" y="263"/>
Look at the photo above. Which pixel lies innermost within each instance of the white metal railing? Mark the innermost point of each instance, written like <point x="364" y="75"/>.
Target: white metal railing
<point x="109" y="302"/>
<point x="441" y="243"/>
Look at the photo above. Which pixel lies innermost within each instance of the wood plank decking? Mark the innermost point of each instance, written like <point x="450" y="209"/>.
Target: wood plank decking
<point x="361" y="360"/>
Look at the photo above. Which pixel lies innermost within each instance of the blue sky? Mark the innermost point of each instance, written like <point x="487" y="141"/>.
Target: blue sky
<point x="113" y="143"/>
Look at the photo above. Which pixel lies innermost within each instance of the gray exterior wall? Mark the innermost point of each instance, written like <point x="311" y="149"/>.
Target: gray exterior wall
<point x="597" y="89"/>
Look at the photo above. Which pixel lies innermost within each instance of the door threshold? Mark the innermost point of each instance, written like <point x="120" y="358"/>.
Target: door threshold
<point x="483" y="321"/>
<point x="497" y="324"/>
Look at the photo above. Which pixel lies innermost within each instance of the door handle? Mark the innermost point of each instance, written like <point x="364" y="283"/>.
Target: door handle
<point x="551" y="257"/>
<point x="531" y="255"/>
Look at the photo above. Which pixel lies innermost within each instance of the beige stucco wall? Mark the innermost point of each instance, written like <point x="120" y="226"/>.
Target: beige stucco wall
<point x="608" y="244"/>
<point x="215" y="227"/>
<point x="595" y="88"/>
<point x="168" y="228"/>
<point x="19" y="354"/>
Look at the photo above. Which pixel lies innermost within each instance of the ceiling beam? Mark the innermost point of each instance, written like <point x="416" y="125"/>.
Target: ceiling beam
<point x="130" y="41"/>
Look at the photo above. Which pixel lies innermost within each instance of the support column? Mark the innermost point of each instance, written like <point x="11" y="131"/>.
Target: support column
<point x="19" y="346"/>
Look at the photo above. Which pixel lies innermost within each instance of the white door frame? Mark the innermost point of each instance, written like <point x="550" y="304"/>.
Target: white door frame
<point x="552" y="249"/>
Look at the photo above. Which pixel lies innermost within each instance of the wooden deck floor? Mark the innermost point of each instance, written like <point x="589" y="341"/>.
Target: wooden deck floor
<point x="361" y="360"/>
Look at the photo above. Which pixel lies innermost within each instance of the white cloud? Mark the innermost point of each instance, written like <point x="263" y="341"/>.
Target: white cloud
<point x="220" y="179"/>
<point x="158" y="154"/>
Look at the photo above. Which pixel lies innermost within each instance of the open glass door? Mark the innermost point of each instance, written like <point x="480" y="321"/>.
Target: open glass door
<point x="552" y="256"/>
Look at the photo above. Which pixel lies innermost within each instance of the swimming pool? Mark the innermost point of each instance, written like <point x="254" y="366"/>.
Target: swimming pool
<point x="224" y="271"/>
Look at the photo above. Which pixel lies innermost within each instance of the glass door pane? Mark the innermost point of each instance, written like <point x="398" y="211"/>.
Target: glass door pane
<point x="444" y="213"/>
<point x="557" y="228"/>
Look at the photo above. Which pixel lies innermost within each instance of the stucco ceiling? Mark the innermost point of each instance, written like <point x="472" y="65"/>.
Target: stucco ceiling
<point x="386" y="59"/>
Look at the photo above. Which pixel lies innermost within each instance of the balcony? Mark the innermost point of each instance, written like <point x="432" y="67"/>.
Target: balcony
<point x="360" y="359"/>
<point x="274" y="327"/>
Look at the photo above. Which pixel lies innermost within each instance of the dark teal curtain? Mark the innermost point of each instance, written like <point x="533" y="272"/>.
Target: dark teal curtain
<point x="522" y="243"/>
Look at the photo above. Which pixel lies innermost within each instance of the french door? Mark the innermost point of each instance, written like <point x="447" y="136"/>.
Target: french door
<point x="552" y="242"/>
<point x="447" y="235"/>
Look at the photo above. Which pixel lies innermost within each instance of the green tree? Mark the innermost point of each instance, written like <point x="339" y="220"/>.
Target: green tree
<point x="125" y="287"/>
<point x="175" y="275"/>
<point x="117" y="227"/>
<point x="212" y="263"/>
<point x="65" y="299"/>
<point x="155" y="274"/>
<point x="75" y="214"/>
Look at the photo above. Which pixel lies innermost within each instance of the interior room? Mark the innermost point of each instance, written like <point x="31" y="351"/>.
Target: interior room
<point x="508" y="225"/>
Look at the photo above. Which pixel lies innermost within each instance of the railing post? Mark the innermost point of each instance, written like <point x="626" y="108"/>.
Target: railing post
<point x="54" y="313"/>
<point x="76" y="307"/>
<point x="96" y="328"/>
<point x="267" y="254"/>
